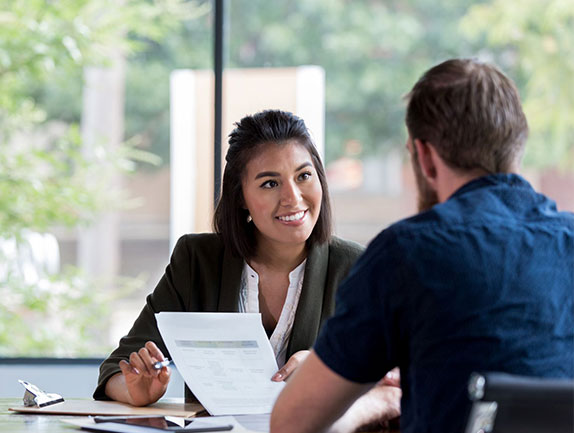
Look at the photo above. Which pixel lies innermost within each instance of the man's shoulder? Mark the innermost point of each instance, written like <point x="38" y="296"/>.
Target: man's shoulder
<point x="406" y="227"/>
<point x="502" y="199"/>
<point x="493" y="201"/>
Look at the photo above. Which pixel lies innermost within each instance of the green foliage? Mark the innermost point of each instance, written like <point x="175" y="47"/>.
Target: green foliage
<point x="535" y="43"/>
<point x="45" y="182"/>
<point x="147" y="107"/>
<point x="37" y="186"/>
<point x="364" y="48"/>
<point x="46" y="178"/>
<point x="372" y="53"/>
<point x="61" y="315"/>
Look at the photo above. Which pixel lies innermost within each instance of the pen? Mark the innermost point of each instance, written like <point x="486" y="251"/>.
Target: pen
<point x="160" y="364"/>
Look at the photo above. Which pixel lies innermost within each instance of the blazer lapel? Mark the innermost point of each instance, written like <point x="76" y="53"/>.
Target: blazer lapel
<point x="308" y="315"/>
<point x="231" y="270"/>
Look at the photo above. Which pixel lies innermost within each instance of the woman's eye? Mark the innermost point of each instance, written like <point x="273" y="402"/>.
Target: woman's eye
<point x="269" y="184"/>
<point x="306" y="175"/>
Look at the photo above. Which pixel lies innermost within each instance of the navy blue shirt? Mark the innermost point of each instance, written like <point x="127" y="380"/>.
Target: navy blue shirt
<point x="481" y="282"/>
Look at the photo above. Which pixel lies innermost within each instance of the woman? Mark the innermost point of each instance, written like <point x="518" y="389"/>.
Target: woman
<point x="272" y="252"/>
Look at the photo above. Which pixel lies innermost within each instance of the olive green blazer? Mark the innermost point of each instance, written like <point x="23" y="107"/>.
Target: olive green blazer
<point x="203" y="276"/>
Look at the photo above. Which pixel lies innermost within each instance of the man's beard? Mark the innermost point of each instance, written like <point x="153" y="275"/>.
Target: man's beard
<point x="426" y="196"/>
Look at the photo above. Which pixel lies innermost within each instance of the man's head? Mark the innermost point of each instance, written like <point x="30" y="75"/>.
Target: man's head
<point x="470" y="113"/>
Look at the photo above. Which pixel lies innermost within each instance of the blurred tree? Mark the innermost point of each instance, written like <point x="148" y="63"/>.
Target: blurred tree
<point x="155" y="46"/>
<point x="372" y="53"/>
<point x="359" y="44"/>
<point x="535" y="42"/>
<point x="45" y="177"/>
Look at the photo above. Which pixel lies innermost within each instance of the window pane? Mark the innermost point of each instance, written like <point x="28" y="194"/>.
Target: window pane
<point x="86" y="116"/>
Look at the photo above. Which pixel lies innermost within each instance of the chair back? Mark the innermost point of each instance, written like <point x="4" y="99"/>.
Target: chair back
<point x="505" y="403"/>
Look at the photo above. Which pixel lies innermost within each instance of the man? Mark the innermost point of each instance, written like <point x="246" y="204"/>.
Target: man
<point x="482" y="279"/>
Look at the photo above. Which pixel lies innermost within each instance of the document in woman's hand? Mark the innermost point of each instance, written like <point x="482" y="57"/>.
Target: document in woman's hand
<point x="225" y="359"/>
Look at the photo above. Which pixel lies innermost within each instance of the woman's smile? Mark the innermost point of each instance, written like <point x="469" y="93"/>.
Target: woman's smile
<point x="294" y="218"/>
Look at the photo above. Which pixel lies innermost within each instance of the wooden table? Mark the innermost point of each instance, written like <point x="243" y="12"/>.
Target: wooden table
<point x="42" y="422"/>
<point x="12" y="422"/>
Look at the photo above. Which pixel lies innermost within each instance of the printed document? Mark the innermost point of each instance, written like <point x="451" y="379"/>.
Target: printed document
<point x="225" y="359"/>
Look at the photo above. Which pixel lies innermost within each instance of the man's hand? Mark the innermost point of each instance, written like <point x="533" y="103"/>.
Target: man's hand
<point x="371" y="411"/>
<point x="139" y="384"/>
<point x="316" y="395"/>
<point x="290" y="366"/>
<point x="392" y="378"/>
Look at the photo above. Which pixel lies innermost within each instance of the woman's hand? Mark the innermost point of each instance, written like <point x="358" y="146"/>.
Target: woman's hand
<point x="142" y="385"/>
<point x="290" y="366"/>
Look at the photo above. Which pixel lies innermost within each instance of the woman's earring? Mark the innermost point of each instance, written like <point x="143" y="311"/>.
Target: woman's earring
<point x="249" y="219"/>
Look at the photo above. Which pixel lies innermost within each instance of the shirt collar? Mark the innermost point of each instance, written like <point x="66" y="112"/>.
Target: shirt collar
<point x="294" y="276"/>
<point x="509" y="179"/>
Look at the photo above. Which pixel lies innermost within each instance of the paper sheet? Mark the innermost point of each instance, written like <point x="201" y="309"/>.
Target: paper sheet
<point x="225" y="359"/>
<point x="255" y="423"/>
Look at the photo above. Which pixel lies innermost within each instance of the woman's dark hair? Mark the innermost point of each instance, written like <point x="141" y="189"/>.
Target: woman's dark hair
<point x="264" y="128"/>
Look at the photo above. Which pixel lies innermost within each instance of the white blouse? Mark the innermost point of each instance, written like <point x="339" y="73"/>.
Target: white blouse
<point x="249" y="303"/>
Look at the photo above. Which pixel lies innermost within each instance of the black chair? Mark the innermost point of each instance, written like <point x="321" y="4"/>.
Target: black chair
<point x="505" y="403"/>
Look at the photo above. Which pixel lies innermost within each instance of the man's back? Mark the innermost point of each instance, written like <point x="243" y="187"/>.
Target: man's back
<point x="482" y="282"/>
<point x="481" y="279"/>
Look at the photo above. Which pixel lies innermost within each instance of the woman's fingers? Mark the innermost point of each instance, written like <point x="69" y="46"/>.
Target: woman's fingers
<point x="142" y="362"/>
<point x="127" y="368"/>
<point x="290" y="366"/>
<point x="164" y="375"/>
<point x="154" y="351"/>
<point x="144" y="359"/>
<point x="144" y="384"/>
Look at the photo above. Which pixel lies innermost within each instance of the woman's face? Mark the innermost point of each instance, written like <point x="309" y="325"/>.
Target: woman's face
<point x="282" y="193"/>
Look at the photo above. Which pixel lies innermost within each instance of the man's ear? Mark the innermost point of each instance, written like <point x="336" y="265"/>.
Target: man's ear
<point x="426" y="155"/>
